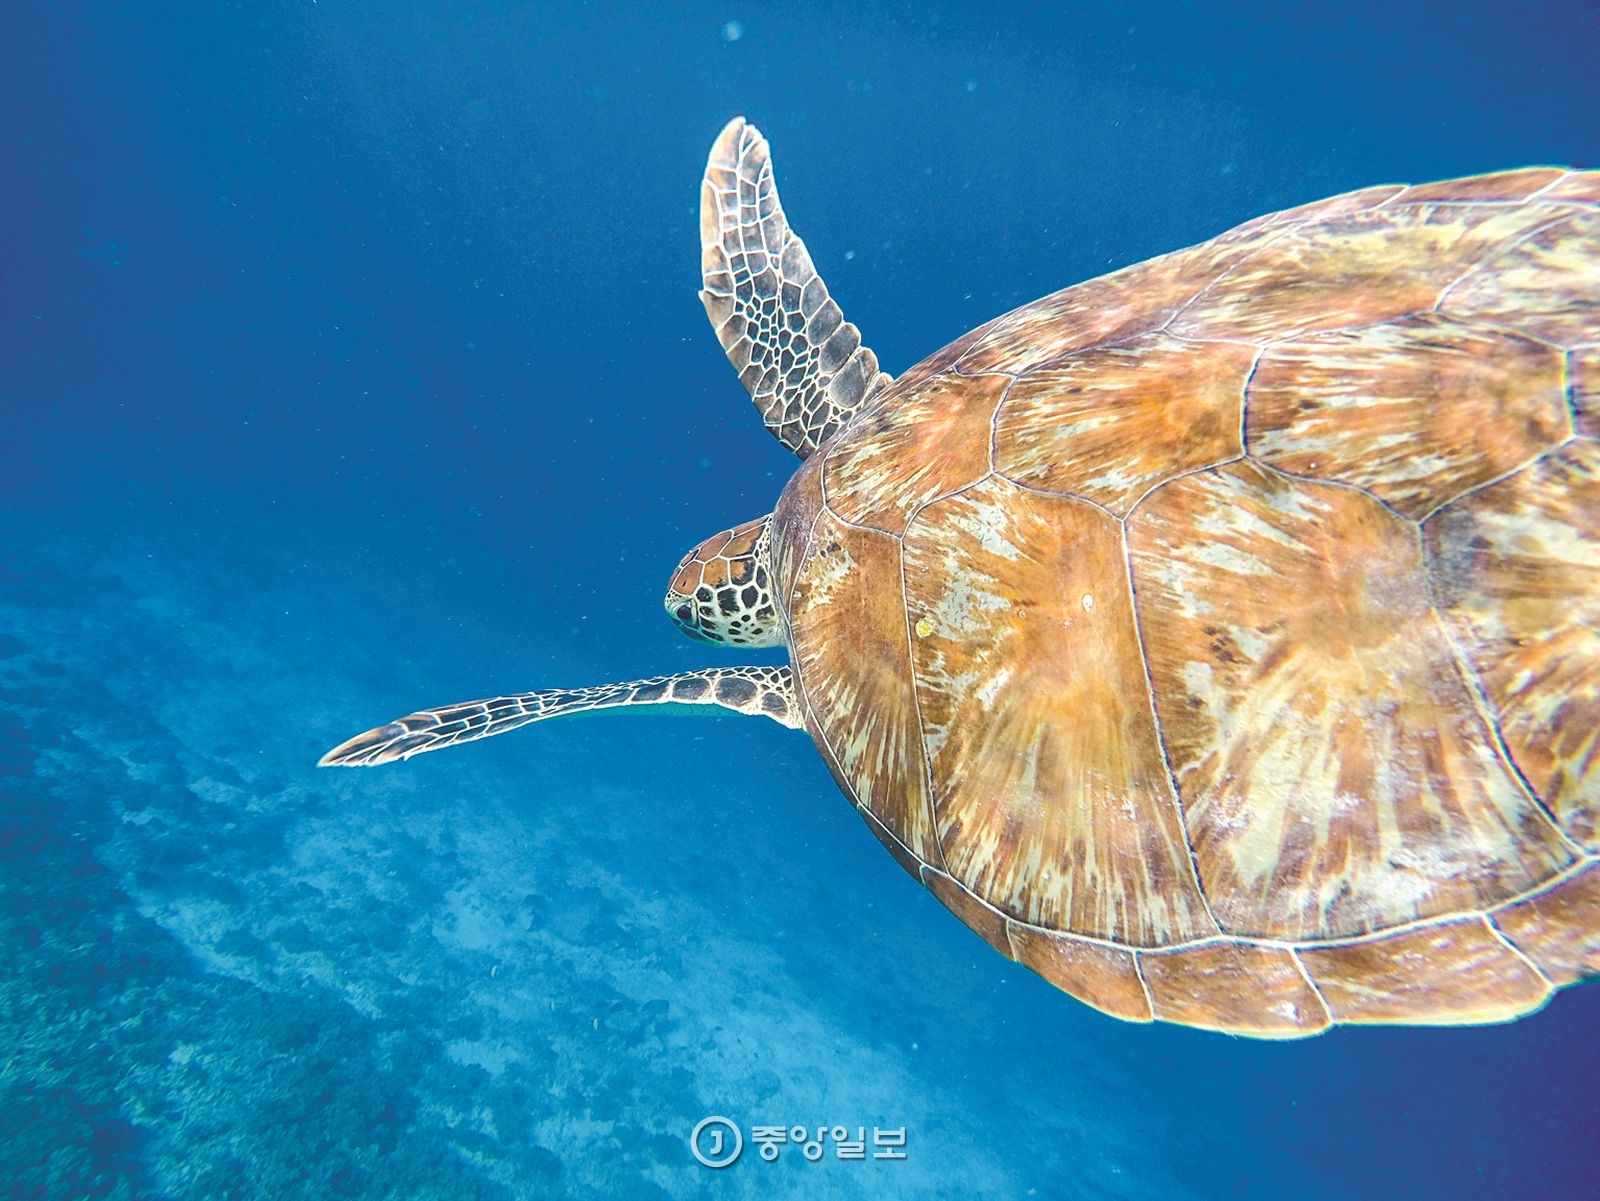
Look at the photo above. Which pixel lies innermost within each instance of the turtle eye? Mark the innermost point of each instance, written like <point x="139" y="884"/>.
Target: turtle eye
<point x="685" y="614"/>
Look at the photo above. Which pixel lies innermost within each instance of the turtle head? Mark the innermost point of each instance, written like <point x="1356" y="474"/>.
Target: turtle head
<point x="722" y="590"/>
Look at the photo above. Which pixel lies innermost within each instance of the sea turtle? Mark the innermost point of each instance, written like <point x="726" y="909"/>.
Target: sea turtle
<point x="1217" y="638"/>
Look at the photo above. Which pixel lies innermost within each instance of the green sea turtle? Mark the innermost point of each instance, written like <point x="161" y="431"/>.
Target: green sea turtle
<point x="1217" y="638"/>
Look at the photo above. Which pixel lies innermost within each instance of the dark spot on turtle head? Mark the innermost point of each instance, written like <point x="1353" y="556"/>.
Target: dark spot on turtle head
<point x="750" y="596"/>
<point x="703" y="594"/>
<point x="727" y="602"/>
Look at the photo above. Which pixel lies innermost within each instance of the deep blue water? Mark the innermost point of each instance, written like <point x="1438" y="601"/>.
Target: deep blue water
<point x="351" y="361"/>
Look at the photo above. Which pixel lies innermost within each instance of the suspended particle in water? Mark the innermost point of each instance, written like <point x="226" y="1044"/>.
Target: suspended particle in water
<point x="733" y="31"/>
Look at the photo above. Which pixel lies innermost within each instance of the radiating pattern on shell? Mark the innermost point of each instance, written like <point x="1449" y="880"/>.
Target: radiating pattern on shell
<point x="1218" y="638"/>
<point x="1337" y="774"/>
<point x="1037" y="744"/>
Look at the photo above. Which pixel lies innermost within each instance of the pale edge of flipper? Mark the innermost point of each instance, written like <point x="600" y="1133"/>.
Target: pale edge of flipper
<point x="759" y="691"/>
<point x="800" y="360"/>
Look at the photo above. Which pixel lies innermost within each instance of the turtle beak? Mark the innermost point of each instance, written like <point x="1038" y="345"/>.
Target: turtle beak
<point x="685" y="616"/>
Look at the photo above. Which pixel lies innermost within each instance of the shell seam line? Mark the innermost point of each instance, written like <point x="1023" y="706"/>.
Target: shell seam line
<point x="1565" y="175"/>
<point x="1499" y="479"/>
<point x="1486" y="711"/>
<point x="1244" y="400"/>
<point x="1500" y="936"/>
<point x="994" y="418"/>
<point x="916" y="696"/>
<point x="916" y="702"/>
<point x="1161" y="740"/>
<point x="1478" y="323"/>
<point x="1495" y="252"/>
<point x="874" y="823"/>
<point x="1144" y="985"/>
<point x="1395" y="201"/>
<point x="1172" y="479"/>
<point x="1246" y="254"/>
<point x="802" y="693"/>
<point x="1315" y="944"/>
<point x="1305" y="975"/>
<point x="1077" y="496"/>
<point x="1569" y="389"/>
<point x="1266" y="465"/>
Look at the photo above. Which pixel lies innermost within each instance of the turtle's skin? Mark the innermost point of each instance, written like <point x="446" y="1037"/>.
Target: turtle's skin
<point x="1217" y="638"/>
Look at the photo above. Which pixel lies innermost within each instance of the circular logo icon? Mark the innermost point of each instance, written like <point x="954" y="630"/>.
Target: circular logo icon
<point x="716" y="1141"/>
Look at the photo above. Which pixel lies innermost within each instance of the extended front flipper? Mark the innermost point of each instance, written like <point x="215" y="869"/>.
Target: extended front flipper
<point x="765" y="691"/>
<point x="800" y="360"/>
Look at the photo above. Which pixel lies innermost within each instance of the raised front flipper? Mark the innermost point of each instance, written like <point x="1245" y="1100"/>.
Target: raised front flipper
<point x="763" y="691"/>
<point x="800" y="360"/>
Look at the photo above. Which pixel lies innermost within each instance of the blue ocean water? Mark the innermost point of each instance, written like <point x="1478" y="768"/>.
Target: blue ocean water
<point x="352" y="362"/>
